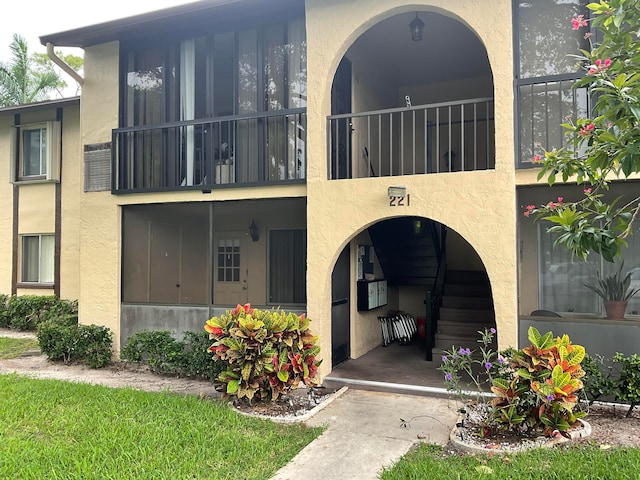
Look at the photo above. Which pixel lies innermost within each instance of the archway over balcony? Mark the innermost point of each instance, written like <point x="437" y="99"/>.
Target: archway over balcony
<point x="404" y="107"/>
<point x="397" y="264"/>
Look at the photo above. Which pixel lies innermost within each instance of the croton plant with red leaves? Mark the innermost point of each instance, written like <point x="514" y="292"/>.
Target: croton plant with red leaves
<point x="266" y="352"/>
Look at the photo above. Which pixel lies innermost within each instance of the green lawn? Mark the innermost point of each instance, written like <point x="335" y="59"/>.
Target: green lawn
<point x="576" y="463"/>
<point x="52" y="429"/>
<point x="14" y="347"/>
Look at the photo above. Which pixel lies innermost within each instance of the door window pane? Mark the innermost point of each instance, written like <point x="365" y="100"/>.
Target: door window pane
<point x="229" y="260"/>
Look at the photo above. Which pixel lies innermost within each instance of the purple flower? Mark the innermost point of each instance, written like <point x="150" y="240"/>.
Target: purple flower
<point x="488" y="365"/>
<point x="550" y="398"/>
<point x="444" y="358"/>
<point x="448" y="377"/>
<point x="467" y="351"/>
<point x="492" y="330"/>
<point x="500" y="360"/>
<point x="461" y="351"/>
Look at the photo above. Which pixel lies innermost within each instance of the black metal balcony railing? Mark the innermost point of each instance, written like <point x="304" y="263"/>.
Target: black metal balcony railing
<point x="206" y="154"/>
<point x="435" y="138"/>
<point x="543" y="105"/>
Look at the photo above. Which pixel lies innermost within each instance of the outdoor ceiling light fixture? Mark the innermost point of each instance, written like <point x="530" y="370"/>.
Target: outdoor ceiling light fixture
<point x="417" y="29"/>
<point x="397" y="191"/>
<point x="253" y="231"/>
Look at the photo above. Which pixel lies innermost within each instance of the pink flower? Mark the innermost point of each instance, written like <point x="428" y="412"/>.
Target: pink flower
<point x="600" y="66"/>
<point x="560" y="199"/>
<point x="587" y="191"/>
<point x="551" y="205"/>
<point x="587" y="130"/>
<point x="536" y="159"/>
<point x="529" y="209"/>
<point x="578" y="22"/>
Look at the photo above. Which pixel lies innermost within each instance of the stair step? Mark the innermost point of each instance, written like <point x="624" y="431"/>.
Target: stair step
<point x="482" y="317"/>
<point x="465" y="341"/>
<point x="458" y="328"/>
<point x="462" y="290"/>
<point x="480" y="303"/>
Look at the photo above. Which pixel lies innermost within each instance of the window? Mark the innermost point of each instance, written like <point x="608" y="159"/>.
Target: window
<point x="34" y="155"/>
<point x="562" y="279"/>
<point x="546" y="70"/>
<point x="37" y="258"/>
<point x="229" y="260"/>
<point x="287" y="266"/>
<point x="33" y="152"/>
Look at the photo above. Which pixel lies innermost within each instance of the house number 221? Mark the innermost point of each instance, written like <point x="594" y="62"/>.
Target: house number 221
<point x="403" y="201"/>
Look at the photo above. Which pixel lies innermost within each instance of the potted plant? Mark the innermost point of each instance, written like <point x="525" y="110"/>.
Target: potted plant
<point x="615" y="291"/>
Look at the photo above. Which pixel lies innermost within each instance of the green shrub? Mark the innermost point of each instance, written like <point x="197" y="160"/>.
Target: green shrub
<point x="4" y="315"/>
<point x="157" y="349"/>
<point x="197" y="359"/>
<point x="164" y="354"/>
<point x="265" y="352"/>
<point x="627" y="386"/>
<point x="68" y="342"/>
<point x="95" y="345"/>
<point x="25" y="312"/>
<point x="598" y="381"/>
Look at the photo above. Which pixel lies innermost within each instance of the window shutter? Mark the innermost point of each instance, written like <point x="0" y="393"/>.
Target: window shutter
<point x="97" y="167"/>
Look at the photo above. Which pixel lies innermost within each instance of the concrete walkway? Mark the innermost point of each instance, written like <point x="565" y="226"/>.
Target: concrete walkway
<point x="364" y="434"/>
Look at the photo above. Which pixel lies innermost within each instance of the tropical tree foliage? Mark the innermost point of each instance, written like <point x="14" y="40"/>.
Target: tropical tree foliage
<point x="604" y="147"/>
<point x="30" y="77"/>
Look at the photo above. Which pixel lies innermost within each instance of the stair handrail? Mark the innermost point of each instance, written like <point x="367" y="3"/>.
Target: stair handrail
<point x="434" y="296"/>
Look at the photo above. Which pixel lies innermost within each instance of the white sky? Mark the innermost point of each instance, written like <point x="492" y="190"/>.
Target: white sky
<point x="34" y="18"/>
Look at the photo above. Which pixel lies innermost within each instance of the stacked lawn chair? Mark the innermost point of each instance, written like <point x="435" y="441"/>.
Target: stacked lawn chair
<point x="400" y="327"/>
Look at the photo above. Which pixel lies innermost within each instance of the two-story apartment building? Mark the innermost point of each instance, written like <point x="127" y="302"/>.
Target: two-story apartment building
<point x="339" y="157"/>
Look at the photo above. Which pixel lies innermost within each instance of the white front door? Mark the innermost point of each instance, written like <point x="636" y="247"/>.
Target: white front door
<point x="230" y="269"/>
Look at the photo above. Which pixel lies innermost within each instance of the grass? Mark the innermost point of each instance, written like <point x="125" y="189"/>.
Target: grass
<point x="60" y="430"/>
<point x="576" y="462"/>
<point x="14" y="347"/>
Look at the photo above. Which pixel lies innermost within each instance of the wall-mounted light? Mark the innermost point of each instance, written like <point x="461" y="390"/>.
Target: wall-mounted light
<point x="253" y="231"/>
<point x="417" y="29"/>
<point x="397" y="191"/>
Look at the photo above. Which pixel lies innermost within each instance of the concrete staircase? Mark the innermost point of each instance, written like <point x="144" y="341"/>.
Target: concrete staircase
<point x="467" y="307"/>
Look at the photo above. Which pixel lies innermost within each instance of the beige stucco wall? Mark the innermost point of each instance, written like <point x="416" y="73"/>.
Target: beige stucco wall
<point x="480" y="206"/>
<point x="72" y="184"/>
<point x="37" y="201"/>
<point x="6" y="200"/>
<point x="99" y="300"/>
<point x="100" y="212"/>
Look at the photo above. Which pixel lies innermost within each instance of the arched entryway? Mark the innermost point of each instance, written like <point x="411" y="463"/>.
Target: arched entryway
<point x="413" y="110"/>
<point x="401" y="106"/>
<point x="410" y="266"/>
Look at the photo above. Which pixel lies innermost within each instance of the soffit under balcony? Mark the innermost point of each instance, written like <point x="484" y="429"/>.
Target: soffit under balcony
<point x="448" y="51"/>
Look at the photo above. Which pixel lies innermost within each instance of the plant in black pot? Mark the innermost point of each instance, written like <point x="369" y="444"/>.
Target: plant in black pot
<point x="615" y="291"/>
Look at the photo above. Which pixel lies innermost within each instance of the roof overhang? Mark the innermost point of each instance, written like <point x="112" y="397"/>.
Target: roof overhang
<point x="44" y="105"/>
<point x="183" y="18"/>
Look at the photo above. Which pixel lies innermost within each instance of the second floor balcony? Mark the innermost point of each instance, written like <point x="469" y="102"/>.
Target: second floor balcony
<point x="435" y="138"/>
<point x="240" y="150"/>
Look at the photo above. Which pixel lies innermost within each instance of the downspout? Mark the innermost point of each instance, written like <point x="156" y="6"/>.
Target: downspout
<point x="58" y="61"/>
